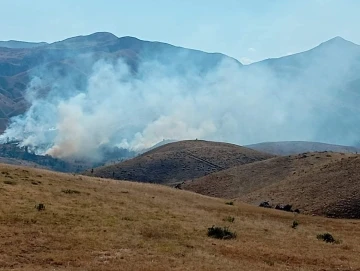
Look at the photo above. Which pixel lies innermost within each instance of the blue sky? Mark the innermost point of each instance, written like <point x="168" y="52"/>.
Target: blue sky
<point x="247" y="30"/>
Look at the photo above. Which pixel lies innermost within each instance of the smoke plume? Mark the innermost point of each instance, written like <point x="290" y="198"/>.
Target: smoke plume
<point x="135" y="111"/>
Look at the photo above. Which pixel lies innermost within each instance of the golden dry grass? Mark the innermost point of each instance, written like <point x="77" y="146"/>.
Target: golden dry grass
<point x="118" y="225"/>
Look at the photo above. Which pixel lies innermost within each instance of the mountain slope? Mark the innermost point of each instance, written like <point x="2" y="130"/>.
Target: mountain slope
<point x="316" y="183"/>
<point x="179" y="161"/>
<point x="297" y="147"/>
<point x="334" y="55"/>
<point x="77" y="55"/>
<point x="321" y="90"/>
<point x="313" y="95"/>
<point x="92" y="224"/>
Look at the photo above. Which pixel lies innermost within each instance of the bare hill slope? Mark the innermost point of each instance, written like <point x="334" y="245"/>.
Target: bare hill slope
<point x="317" y="183"/>
<point x="179" y="161"/>
<point x="92" y="224"/>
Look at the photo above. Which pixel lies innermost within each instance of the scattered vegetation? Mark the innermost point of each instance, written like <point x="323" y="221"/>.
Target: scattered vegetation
<point x="40" y="207"/>
<point x="126" y="218"/>
<point x="270" y="262"/>
<point x="221" y="233"/>
<point x="229" y="203"/>
<point x="230" y="219"/>
<point x="265" y="204"/>
<point x="286" y="207"/>
<point x="326" y="237"/>
<point x="70" y="191"/>
<point x="295" y="224"/>
<point x="9" y="182"/>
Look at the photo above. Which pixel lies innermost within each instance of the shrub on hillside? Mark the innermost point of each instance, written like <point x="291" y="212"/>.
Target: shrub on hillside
<point x="40" y="206"/>
<point x="229" y="203"/>
<point x="295" y="224"/>
<point x="265" y="204"/>
<point x="326" y="237"/>
<point x="9" y="182"/>
<point x="286" y="208"/>
<point x="229" y="219"/>
<point x="70" y="191"/>
<point x="221" y="233"/>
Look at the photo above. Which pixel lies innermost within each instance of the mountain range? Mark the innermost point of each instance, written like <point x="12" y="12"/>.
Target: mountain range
<point x="329" y="74"/>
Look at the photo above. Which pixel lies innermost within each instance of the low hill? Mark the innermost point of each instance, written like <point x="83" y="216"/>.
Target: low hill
<point x="179" y="161"/>
<point x="325" y="183"/>
<point x="96" y="224"/>
<point x="297" y="147"/>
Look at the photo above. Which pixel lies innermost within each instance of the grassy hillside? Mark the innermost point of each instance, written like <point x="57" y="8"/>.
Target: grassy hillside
<point x="96" y="224"/>
<point x="297" y="147"/>
<point x="321" y="183"/>
<point x="180" y="161"/>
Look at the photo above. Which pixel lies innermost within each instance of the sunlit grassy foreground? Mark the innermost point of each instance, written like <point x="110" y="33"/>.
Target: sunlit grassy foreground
<point x="98" y="224"/>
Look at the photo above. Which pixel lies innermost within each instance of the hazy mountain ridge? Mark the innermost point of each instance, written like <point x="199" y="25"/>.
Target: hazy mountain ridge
<point x="77" y="55"/>
<point x="309" y="96"/>
<point x="298" y="147"/>
<point x="14" y="44"/>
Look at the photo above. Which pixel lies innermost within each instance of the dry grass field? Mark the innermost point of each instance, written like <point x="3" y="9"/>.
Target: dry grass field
<point x="97" y="224"/>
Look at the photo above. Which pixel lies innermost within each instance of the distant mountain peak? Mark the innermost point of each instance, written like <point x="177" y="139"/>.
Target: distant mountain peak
<point x="94" y="37"/>
<point x="101" y="35"/>
<point x="338" y="38"/>
<point x="338" y="41"/>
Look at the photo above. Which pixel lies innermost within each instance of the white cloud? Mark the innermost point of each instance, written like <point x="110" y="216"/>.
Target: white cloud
<point x="245" y="60"/>
<point x="252" y="50"/>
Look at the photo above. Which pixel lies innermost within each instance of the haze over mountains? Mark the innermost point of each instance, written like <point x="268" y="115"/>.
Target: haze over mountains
<point x="71" y="98"/>
<point x="21" y="44"/>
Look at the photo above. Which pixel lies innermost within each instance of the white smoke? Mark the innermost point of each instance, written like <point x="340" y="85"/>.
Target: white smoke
<point x="120" y="109"/>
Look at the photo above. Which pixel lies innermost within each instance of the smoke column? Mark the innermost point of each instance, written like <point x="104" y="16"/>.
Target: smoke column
<point x="118" y="108"/>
